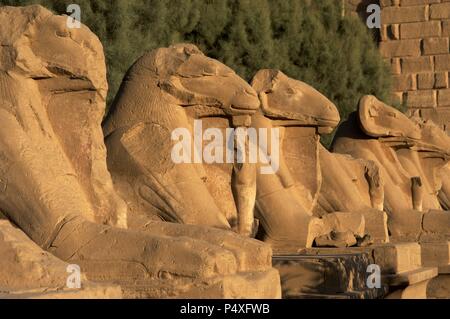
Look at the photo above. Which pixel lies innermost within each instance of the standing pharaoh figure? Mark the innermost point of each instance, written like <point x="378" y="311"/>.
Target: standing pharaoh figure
<point x="56" y="188"/>
<point x="244" y="181"/>
<point x="444" y="193"/>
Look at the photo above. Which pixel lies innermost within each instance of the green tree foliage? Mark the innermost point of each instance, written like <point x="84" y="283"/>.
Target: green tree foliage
<point x="308" y="40"/>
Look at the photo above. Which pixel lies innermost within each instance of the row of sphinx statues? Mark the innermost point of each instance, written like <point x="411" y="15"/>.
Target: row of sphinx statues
<point x="109" y="197"/>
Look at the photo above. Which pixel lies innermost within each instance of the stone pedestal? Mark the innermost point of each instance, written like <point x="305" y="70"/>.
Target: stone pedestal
<point x="436" y="255"/>
<point x="30" y="272"/>
<point x="436" y="288"/>
<point x="406" y="268"/>
<point x="326" y="273"/>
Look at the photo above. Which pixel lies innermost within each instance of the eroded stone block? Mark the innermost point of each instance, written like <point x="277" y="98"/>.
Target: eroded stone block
<point x="398" y="258"/>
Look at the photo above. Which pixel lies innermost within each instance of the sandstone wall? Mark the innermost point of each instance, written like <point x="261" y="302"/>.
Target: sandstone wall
<point x="414" y="39"/>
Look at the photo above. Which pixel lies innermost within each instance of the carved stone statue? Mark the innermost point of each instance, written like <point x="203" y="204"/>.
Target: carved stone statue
<point x="287" y="201"/>
<point x="410" y="156"/>
<point x="444" y="192"/>
<point x="429" y="159"/>
<point x="162" y="94"/>
<point x="163" y="199"/>
<point x="55" y="185"/>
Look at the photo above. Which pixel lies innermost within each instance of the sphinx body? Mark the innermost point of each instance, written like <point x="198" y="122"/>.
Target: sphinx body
<point x="165" y="91"/>
<point x="55" y="185"/>
<point x="410" y="157"/>
<point x="349" y="184"/>
<point x="429" y="159"/>
<point x="171" y="89"/>
<point x="354" y="187"/>
<point x="313" y="193"/>
<point x="285" y="199"/>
